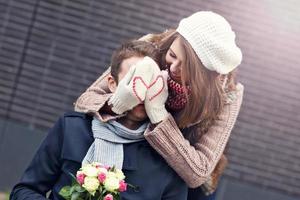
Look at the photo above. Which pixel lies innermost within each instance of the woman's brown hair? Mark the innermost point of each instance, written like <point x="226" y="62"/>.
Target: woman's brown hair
<point x="205" y="100"/>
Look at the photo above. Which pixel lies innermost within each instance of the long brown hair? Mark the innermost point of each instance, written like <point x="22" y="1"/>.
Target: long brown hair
<point x="206" y="96"/>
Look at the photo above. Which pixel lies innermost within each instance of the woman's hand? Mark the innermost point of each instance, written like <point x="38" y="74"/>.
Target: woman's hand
<point x="156" y="97"/>
<point x="131" y="90"/>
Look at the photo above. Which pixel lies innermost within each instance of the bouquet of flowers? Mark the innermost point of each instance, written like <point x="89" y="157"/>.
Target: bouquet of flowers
<point x="95" y="182"/>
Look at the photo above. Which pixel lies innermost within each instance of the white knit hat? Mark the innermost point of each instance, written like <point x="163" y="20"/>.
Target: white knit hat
<point x="212" y="39"/>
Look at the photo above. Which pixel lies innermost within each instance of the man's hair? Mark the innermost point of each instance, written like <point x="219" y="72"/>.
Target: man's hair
<point x="129" y="49"/>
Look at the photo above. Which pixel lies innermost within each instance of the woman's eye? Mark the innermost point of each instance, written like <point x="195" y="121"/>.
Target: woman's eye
<point x="172" y="55"/>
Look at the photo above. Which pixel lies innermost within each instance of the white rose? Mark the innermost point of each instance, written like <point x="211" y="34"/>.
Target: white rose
<point x="102" y="170"/>
<point x="111" y="183"/>
<point x="90" y="171"/>
<point x="119" y="174"/>
<point x="91" y="184"/>
<point x="96" y="164"/>
<point x="111" y="174"/>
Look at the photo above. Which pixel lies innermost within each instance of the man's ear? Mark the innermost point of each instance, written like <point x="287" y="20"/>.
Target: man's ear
<point x="112" y="84"/>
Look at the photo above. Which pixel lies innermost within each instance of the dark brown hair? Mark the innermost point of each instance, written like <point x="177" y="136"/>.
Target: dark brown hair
<point x="130" y="49"/>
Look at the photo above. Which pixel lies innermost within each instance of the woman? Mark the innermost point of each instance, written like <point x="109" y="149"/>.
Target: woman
<point x="204" y="101"/>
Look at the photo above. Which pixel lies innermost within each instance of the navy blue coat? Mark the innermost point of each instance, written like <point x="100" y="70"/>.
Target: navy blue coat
<point x="65" y="147"/>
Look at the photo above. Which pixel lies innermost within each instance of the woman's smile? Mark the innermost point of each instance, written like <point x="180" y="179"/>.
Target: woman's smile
<point x="175" y="76"/>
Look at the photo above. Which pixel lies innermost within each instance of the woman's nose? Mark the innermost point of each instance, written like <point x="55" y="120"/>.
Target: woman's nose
<point x="175" y="67"/>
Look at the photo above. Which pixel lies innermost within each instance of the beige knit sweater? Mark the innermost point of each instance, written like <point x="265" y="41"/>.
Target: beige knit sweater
<point x="194" y="164"/>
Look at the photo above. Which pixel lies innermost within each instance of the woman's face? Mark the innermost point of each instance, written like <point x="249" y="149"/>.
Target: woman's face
<point x="174" y="60"/>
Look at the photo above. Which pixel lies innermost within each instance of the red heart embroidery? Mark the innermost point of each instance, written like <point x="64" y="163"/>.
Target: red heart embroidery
<point x="138" y="78"/>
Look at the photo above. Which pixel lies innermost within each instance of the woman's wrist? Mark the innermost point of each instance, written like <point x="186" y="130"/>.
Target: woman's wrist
<point x="152" y="126"/>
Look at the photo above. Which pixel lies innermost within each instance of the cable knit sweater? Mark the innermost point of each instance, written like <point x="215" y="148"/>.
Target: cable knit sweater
<point x="193" y="163"/>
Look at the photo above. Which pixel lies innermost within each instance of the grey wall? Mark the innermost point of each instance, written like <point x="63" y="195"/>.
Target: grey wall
<point x="17" y="149"/>
<point x="51" y="50"/>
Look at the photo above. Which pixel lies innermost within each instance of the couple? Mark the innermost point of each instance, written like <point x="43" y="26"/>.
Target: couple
<point x="203" y="103"/>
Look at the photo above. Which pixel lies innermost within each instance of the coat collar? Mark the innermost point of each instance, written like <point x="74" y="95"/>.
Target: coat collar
<point x="78" y="138"/>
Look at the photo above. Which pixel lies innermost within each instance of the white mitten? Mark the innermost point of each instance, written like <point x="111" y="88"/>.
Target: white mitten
<point x="156" y="97"/>
<point x="131" y="90"/>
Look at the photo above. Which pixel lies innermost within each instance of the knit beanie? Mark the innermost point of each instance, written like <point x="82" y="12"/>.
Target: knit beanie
<point x="213" y="40"/>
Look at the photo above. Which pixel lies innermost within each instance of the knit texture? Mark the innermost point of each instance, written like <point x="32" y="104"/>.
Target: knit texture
<point x="107" y="147"/>
<point x="89" y="101"/>
<point x="213" y="40"/>
<point x="156" y="97"/>
<point x="96" y="96"/>
<point x="178" y="97"/>
<point x="194" y="164"/>
<point x="211" y="184"/>
<point x="132" y="88"/>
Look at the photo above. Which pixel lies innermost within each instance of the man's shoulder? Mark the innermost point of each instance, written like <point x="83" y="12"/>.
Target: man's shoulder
<point x="76" y="130"/>
<point x="73" y="118"/>
<point x="76" y="124"/>
<point x="74" y="114"/>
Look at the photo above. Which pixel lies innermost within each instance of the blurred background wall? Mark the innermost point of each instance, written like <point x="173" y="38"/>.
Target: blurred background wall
<point x="51" y="50"/>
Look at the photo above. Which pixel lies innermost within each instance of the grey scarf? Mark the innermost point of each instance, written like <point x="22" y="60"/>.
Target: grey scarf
<point x="109" y="139"/>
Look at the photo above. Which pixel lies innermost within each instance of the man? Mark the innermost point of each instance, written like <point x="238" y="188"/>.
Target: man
<point x="77" y="138"/>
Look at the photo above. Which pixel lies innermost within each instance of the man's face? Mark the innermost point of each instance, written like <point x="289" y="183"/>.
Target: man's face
<point x="138" y="113"/>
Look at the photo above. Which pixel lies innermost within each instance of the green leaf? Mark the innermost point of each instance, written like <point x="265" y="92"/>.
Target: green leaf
<point x="116" y="197"/>
<point x="65" y="192"/>
<point x="113" y="169"/>
<point x="104" y="191"/>
<point x="80" y="189"/>
<point x="75" y="196"/>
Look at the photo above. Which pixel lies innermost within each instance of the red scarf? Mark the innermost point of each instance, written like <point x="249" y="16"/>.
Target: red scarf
<point x="177" y="98"/>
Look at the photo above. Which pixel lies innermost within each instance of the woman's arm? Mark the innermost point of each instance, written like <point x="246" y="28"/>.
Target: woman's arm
<point x="195" y="163"/>
<point x="125" y="97"/>
<point x="98" y="94"/>
<point x="44" y="169"/>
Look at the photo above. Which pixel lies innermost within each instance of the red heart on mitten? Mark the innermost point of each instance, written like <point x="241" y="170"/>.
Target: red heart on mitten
<point x="158" y="82"/>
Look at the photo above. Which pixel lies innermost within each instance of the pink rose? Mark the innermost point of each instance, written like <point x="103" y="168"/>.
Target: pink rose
<point x="122" y="186"/>
<point x="109" y="197"/>
<point x="80" y="177"/>
<point x="101" y="177"/>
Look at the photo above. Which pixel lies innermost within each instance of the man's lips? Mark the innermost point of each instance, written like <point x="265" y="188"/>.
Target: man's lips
<point x="140" y="107"/>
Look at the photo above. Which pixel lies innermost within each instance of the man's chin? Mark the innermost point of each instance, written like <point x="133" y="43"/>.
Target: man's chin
<point x="138" y="113"/>
<point x="141" y="118"/>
